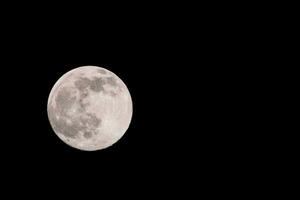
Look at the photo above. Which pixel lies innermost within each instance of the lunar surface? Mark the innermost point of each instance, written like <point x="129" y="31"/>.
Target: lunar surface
<point x="89" y="108"/>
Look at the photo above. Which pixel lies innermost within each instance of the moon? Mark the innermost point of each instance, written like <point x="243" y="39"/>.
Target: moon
<point x="89" y="108"/>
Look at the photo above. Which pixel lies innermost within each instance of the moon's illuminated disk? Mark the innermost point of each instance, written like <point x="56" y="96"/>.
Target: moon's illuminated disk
<point x="89" y="108"/>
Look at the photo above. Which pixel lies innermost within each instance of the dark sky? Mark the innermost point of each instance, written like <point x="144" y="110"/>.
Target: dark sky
<point x="172" y="134"/>
<point x="188" y="96"/>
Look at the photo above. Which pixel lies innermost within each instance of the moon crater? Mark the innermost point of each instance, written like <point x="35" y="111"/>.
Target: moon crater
<point x="97" y="84"/>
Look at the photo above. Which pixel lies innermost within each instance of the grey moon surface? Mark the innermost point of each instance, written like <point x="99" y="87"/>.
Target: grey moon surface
<point x="89" y="108"/>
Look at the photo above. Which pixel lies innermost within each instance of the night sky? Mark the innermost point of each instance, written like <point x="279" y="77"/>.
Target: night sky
<point x="189" y="104"/>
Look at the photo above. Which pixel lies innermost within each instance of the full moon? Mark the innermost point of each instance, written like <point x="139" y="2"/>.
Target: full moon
<point x="89" y="108"/>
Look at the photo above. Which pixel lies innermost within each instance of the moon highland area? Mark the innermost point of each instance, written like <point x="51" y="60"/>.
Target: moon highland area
<point x="89" y="108"/>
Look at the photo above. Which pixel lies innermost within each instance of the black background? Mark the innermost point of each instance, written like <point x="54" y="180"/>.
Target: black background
<point x="188" y="93"/>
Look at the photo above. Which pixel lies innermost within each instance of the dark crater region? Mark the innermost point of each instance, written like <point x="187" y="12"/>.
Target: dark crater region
<point x="86" y="123"/>
<point x="65" y="99"/>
